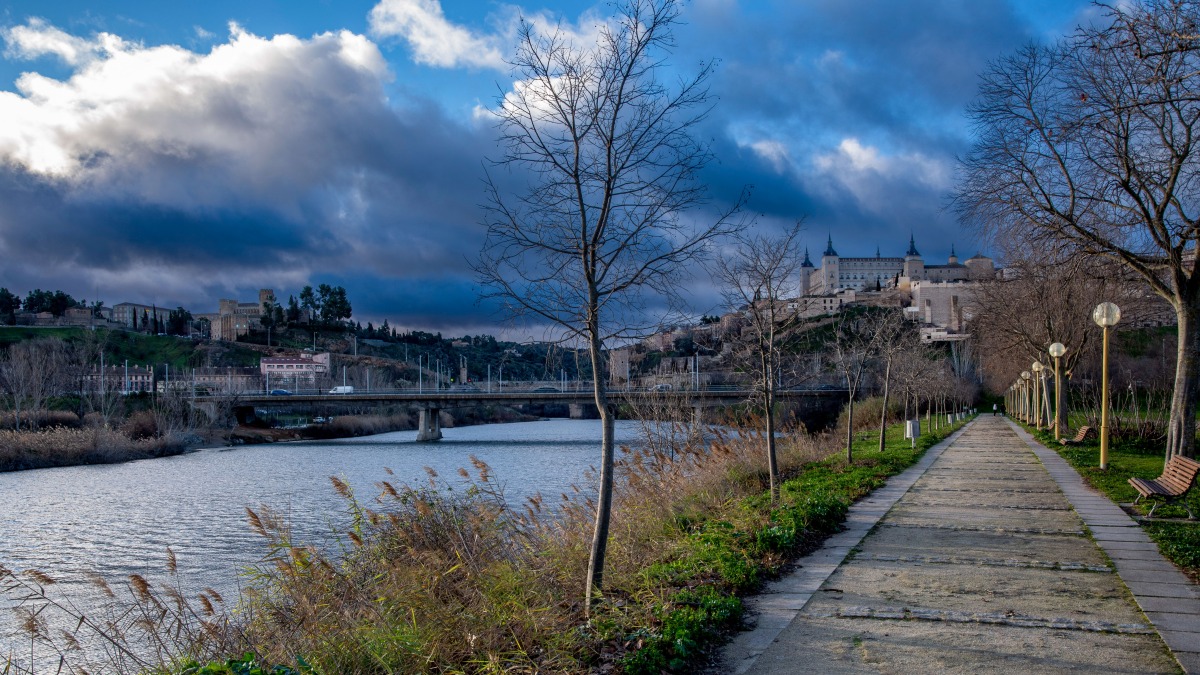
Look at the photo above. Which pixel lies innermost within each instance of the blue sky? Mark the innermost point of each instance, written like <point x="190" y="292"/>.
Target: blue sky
<point x="177" y="153"/>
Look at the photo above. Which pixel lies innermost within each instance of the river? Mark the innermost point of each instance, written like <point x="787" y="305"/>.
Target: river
<point x="119" y="519"/>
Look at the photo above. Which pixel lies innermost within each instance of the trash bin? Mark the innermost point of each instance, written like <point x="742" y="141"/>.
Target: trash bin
<point x="912" y="428"/>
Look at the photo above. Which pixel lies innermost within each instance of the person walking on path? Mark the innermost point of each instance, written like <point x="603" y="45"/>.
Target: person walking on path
<point x="995" y="407"/>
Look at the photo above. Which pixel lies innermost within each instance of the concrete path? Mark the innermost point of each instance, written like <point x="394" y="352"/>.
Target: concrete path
<point x="979" y="565"/>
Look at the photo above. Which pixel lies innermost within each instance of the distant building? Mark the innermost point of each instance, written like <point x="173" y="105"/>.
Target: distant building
<point x="868" y="274"/>
<point x="130" y="379"/>
<point x="126" y="313"/>
<point x="294" y="372"/>
<point x="619" y="365"/>
<point x="944" y="305"/>
<point x="234" y="319"/>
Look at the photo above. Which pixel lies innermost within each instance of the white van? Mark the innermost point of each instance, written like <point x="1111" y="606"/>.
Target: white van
<point x="342" y="390"/>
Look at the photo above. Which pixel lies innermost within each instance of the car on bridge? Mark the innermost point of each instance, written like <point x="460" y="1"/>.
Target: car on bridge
<point x="280" y="392"/>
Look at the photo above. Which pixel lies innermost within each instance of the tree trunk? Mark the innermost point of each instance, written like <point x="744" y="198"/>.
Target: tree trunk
<point x="595" y="572"/>
<point x="1181" y="432"/>
<point x="768" y="375"/>
<point x="887" y="376"/>
<point x="850" y="428"/>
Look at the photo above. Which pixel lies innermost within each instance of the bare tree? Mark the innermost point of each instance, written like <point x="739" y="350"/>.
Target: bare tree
<point x="611" y="168"/>
<point x="30" y="373"/>
<point x="1091" y="147"/>
<point x="896" y="339"/>
<point x="1044" y="299"/>
<point x="760" y="277"/>
<point x="855" y="343"/>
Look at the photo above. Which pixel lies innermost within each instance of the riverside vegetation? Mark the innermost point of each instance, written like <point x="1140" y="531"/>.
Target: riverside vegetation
<point x="434" y="579"/>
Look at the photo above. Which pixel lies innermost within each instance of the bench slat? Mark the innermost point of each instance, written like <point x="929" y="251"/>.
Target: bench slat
<point x="1177" y="478"/>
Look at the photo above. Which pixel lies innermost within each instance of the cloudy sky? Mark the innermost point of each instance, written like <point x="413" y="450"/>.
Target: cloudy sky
<point x="177" y="153"/>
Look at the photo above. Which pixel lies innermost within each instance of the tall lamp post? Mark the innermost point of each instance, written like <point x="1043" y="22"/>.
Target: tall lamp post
<point x="1037" y="394"/>
<point x="1025" y="397"/>
<point x="1057" y="350"/>
<point x="1106" y="315"/>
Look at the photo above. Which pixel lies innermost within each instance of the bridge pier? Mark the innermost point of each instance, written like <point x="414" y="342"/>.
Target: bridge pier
<point x="583" y="411"/>
<point x="429" y="425"/>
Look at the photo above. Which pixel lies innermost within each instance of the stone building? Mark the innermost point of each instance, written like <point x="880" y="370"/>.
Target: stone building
<point x="234" y="319"/>
<point x="305" y="371"/>
<point x="868" y="274"/>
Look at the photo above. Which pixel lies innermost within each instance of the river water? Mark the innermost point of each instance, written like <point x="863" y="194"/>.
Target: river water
<point x="119" y="519"/>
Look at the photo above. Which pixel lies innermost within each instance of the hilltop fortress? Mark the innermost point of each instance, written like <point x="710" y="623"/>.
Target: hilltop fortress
<point x="869" y="274"/>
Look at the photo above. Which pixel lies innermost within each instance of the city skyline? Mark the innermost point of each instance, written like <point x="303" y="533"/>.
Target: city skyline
<point x="177" y="155"/>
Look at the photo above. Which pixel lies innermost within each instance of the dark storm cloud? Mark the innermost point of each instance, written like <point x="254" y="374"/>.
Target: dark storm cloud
<point x="266" y="163"/>
<point x="849" y="114"/>
<point x="158" y="174"/>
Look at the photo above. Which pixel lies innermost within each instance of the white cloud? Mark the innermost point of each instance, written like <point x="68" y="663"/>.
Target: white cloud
<point x="251" y="118"/>
<point x="869" y="174"/>
<point x="38" y="38"/>
<point x="434" y="40"/>
<point x="774" y="152"/>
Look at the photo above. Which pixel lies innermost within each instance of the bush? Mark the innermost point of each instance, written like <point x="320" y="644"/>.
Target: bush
<point x="140" y="425"/>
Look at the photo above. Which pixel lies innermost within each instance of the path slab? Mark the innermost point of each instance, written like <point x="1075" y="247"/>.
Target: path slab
<point x="983" y="566"/>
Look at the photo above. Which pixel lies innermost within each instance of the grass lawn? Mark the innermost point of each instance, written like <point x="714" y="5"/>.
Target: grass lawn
<point x="1178" y="541"/>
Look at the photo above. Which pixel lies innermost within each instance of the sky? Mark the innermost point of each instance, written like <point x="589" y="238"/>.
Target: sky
<point x="177" y="153"/>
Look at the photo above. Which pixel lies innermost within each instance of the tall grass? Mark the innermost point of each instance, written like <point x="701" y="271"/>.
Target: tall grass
<point x="437" y="578"/>
<point x="63" y="446"/>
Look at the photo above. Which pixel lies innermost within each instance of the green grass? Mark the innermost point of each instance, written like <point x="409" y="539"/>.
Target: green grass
<point x="140" y="348"/>
<point x="726" y="561"/>
<point x="13" y="334"/>
<point x="1178" y="542"/>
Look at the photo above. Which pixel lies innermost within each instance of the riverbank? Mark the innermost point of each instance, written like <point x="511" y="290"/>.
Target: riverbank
<point x="71" y="442"/>
<point x="426" y="565"/>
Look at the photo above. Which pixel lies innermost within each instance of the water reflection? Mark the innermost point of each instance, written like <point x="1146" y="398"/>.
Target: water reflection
<point x="119" y="519"/>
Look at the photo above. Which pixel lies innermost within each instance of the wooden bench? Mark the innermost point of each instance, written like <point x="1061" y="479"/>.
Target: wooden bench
<point x="1177" y="479"/>
<point x="1083" y="433"/>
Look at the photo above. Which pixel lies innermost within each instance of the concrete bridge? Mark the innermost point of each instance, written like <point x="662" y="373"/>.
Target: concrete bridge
<point x="580" y="401"/>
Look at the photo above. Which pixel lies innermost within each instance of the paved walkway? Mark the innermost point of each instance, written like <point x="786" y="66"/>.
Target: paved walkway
<point x="981" y="563"/>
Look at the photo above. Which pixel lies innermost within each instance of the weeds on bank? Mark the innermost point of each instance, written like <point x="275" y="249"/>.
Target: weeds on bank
<point x="1130" y="458"/>
<point x="434" y="578"/>
<point x="62" y="446"/>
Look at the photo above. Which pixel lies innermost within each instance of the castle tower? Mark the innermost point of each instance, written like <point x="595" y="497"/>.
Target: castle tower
<point x="914" y="266"/>
<point x="829" y="268"/>
<point x="806" y="270"/>
<point x="979" y="267"/>
<point x="953" y="260"/>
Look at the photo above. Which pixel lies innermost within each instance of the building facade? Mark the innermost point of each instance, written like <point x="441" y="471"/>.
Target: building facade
<point x="878" y="273"/>
<point x="234" y="319"/>
<point x="294" y="372"/>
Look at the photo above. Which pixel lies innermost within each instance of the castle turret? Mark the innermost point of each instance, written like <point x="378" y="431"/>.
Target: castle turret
<point x="953" y="260"/>
<point x="914" y="266"/>
<point x="829" y="268"/>
<point x="980" y="267"/>
<point x="806" y="271"/>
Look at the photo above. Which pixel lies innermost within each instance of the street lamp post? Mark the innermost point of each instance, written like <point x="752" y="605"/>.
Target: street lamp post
<point x="1106" y="315"/>
<point x="1057" y="350"/>
<point x="1025" y="397"/>
<point x="1037" y="394"/>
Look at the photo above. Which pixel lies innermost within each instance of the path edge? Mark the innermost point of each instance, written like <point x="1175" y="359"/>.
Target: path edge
<point x="781" y="600"/>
